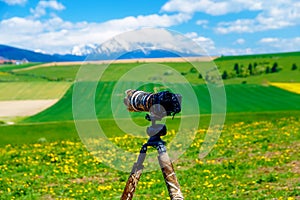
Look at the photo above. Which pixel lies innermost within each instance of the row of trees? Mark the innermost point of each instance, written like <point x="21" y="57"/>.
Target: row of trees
<point x="253" y="69"/>
<point x="240" y="71"/>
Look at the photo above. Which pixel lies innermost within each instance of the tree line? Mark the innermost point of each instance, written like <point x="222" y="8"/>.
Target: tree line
<point x="239" y="70"/>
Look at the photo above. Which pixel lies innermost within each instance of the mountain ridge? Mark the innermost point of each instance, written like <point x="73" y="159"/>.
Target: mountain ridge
<point x="14" y="53"/>
<point x="96" y="53"/>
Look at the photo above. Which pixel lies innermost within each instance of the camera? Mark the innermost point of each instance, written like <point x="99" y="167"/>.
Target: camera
<point x="159" y="104"/>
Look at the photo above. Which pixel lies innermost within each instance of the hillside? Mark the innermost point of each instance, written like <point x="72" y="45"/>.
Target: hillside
<point x="116" y="70"/>
<point x="277" y="67"/>
<point x="240" y="98"/>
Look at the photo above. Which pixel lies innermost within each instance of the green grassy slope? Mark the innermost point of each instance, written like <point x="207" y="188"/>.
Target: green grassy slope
<point x="7" y="73"/>
<point x="240" y="98"/>
<point x="55" y="73"/>
<point x="32" y="90"/>
<point x="285" y="62"/>
<point x="25" y="133"/>
<point x="29" y="133"/>
<point x="225" y="63"/>
<point x="5" y="68"/>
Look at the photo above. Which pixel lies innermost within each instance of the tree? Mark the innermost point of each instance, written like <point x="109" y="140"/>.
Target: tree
<point x="225" y="75"/>
<point x="267" y="70"/>
<point x="255" y="65"/>
<point x="236" y="68"/>
<point x="243" y="71"/>
<point x="294" y="66"/>
<point x="275" y="67"/>
<point x="250" y="68"/>
<point x="193" y="70"/>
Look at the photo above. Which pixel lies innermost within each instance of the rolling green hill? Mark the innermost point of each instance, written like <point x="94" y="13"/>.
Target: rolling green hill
<point x="253" y="96"/>
<point x="32" y="90"/>
<point x="288" y="67"/>
<point x="115" y="71"/>
<point x="252" y="69"/>
<point x="240" y="98"/>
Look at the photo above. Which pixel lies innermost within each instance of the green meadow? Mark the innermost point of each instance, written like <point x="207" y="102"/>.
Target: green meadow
<point x="240" y="99"/>
<point x="33" y="90"/>
<point x="255" y="157"/>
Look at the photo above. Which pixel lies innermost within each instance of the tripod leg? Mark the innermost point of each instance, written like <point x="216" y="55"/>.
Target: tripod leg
<point x="169" y="174"/>
<point x="135" y="175"/>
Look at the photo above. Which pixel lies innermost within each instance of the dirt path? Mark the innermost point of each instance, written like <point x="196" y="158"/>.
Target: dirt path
<point x="24" y="107"/>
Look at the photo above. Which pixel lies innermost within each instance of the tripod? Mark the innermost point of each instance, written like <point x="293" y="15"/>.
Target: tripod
<point x="155" y="131"/>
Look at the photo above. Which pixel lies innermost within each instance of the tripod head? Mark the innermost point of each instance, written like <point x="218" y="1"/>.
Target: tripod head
<point x="155" y="131"/>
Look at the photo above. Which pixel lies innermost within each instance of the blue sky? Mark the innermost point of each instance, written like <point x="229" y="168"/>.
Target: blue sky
<point x="219" y="26"/>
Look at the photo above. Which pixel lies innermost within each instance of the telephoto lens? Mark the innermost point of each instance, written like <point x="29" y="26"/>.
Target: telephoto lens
<point x="138" y="101"/>
<point x="159" y="104"/>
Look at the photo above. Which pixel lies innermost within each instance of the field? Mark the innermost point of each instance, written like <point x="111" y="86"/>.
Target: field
<point x="255" y="157"/>
<point x="30" y="90"/>
<point x="289" y="87"/>
<point x="240" y="98"/>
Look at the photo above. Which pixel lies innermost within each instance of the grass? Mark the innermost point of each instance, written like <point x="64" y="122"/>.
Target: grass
<point x="54" y="73"/>
<point x="32" y="90"/>
<point x="240" y="98"/>
<point x="28" y="133"/>
<point x="31" y="133"/>
<point x="256" y="156"/>
<point x="116" y="70"/>
<point x="284" y="61"/>
<point x="251" y="160"/>
<point x="7" y="73"/>
<point x="11" y="67"/>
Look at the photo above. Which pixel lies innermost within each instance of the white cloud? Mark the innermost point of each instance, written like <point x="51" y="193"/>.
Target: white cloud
<point x="202" y="23"/>
<point x="231" y="51"/>
<point x="276" y="15"/>
<point x="271" y="15"/>
<point x="269" y="40"/>
<point x="148" y="21"/>
<point x="265" y="45"/>
<point x="238" y="26"/>
<point x="280" y="44"/>
<point x="240" y="41"/>
<point x="14" y="2"/>
<point x="55" y="35"/>
<point x="40" y="9"/>
<point x="207" y="44"/>
<point x="212" y="7"/>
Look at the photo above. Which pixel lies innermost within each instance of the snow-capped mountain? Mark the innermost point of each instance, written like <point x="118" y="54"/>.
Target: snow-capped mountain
<point x="144" y="43"/>
<point x="84" y="50"/>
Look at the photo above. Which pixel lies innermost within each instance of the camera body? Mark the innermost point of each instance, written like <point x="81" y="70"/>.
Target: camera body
<point x="159" y="104"/>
